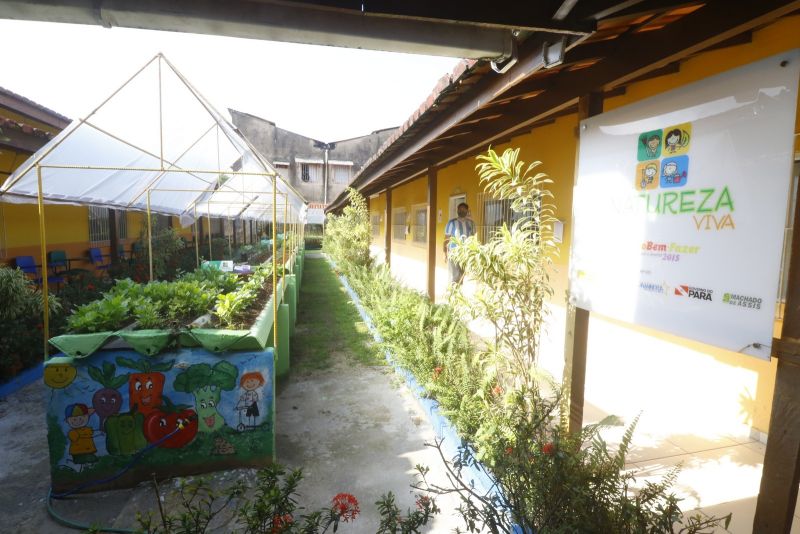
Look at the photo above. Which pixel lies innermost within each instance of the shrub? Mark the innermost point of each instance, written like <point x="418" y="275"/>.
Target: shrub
<point x="347" y="236"/>
<point x="21" y="335"/>
<point x="271" y="506"/>
<point x="506" y="408"/>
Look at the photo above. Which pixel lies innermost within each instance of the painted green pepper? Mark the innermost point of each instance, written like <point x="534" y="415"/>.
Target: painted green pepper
<point x="124" y="435"/>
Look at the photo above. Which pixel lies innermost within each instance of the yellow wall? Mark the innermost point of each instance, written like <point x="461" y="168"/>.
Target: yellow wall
<point x="555" y="144"/>
<point x="778" y="37"/>
<point x="377" y="206"/>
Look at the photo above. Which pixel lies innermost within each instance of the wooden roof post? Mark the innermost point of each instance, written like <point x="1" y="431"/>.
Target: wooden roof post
<point x="577" y="325"/>
<point x="387" y="228"/>
<point x="431" y="232"/>
<point x="781" y="474"/>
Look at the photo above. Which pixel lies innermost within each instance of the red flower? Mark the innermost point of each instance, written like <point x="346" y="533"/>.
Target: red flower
<point x="548" y="448"/>
<point x="90" y="287"/>
<point x="509" y="450"/>
<point x="497" y="390"/>
<point x="345" y="506"/>
<point x="280" y="522"/>
<point x="437" y="371"/>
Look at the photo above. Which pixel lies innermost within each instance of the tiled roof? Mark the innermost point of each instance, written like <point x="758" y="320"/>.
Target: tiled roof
<point x="46" y="115"/>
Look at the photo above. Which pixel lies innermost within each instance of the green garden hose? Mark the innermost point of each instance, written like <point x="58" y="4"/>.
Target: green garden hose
<point x="78" y="526"/>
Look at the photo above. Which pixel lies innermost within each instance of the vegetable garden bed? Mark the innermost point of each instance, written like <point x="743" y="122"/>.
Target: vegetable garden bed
<point x="128" y="403"/>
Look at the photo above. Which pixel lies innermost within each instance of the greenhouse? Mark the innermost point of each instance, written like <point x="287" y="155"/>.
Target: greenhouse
<point x="157" y="146"/>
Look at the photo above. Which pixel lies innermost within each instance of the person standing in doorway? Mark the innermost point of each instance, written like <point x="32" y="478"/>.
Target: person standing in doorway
<point x="463" y="227"/>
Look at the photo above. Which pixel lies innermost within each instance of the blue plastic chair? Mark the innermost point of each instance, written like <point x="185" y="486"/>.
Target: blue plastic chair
<point x="29" y="266"/>
<point x="96" y="257"/>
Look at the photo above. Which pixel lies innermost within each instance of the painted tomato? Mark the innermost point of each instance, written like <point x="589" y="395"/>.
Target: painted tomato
<point x="160" y="423"/>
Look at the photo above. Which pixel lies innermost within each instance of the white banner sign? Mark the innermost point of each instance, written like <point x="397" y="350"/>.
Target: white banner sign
<point x="680" y="206"/>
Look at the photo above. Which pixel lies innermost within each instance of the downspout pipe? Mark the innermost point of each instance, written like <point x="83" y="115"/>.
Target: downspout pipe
<point x="325" y="174"/>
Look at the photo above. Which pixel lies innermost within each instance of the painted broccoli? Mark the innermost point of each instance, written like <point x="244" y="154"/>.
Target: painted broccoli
<point x="206" y="384"/>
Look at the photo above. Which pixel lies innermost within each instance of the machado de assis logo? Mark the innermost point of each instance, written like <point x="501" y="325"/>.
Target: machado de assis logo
<point x="743" y="301"/>
<point x="692" y="292"/>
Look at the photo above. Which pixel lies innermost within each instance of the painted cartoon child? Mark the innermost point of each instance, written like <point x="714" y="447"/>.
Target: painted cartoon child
<point x="651" y="145"/>
<point x="248" y="401"/>
<point x="648" y="174"/>
<point x="81" y="436"/>
<point x="675" y="140"/>
<point x="671" y="173"/>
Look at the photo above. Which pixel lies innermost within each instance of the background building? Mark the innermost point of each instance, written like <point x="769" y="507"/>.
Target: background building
<point x="320" y="171"/>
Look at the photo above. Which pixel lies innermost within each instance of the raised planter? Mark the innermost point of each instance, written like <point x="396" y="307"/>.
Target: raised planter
<point x="117" y="418"/>
<point x="164" y="404"/>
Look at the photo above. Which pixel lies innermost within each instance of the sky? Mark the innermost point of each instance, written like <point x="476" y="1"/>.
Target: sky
<point x="325" y="93"/>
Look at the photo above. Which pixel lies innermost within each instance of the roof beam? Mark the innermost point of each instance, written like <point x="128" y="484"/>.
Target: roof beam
<point x="295" y="22"/>
<point x="23" y="106"/>
<point x="510" y="14"/>
<point x="643" y="52"/>
<point x="538" y="52"/>
<point x="18" y="140"/>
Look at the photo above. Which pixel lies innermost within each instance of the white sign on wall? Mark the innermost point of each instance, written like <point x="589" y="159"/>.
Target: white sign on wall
<point x="680" y="206"/>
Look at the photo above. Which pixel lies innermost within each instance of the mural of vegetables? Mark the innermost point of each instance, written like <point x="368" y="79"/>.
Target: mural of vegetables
<point x="169" y="418"/>
<point x="206" y="384"/>
<point x="146" y="387"/>
<point x="124" y="434"/>
<point x="107" y="401"/>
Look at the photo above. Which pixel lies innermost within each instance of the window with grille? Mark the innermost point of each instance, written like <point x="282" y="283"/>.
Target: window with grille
<point x="495" y="214"/>
<point x="375" y="224"/>
<point x="399" y="224"/>
<point x="310" y="172"/>
<point x="419" y="230"/>
<point x="98" y="225"/>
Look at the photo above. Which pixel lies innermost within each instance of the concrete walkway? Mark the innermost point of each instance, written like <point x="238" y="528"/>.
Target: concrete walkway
<point x="352" y="427"/>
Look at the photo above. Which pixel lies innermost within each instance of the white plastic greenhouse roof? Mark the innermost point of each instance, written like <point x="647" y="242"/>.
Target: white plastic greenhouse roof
<point x="156" y="137"/>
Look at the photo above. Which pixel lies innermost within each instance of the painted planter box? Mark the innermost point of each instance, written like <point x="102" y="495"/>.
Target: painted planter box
<point x="117" y="417"/>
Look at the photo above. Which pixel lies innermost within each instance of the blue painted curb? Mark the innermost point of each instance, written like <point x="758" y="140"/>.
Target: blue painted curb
<point x="441" y="425"/>
<point x="26" y="377"/>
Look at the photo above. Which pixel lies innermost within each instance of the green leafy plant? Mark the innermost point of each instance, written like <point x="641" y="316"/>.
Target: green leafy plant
<point x="231" y="306"/>
<point x="168" y="252"/>
<point x="512" y="269"/>
<point x="394" y="522"/>
<point x="112" y="312"/>
<point x="269" y="506"/>
<point x="148" y="314"/>
<point x="347" y="236"/>
<point x="508" y="411"/>
<point x="21" y="322"/>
